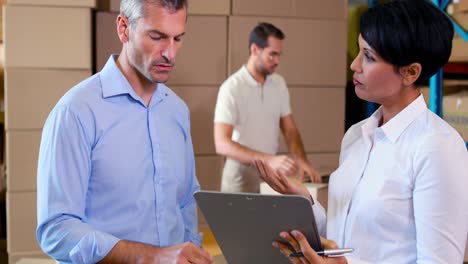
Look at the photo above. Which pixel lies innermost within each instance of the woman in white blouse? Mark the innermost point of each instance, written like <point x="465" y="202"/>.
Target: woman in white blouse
<point x="400" y="193"/>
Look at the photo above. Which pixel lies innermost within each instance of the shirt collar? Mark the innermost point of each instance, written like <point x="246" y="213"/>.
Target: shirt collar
<point x="249" y="78"/>
<point x="395" y="126"/>
<point x="114" y="83"/>
<point x="371" y="124"/>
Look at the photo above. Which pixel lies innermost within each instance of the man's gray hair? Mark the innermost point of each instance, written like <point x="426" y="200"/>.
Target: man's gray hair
<point x="134" y="9"/>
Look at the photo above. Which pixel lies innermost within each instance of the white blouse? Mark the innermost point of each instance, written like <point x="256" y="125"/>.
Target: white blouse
<point x="400" y="194"/>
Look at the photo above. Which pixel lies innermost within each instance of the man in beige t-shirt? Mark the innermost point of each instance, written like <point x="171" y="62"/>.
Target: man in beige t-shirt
<point x="252" y="107"/>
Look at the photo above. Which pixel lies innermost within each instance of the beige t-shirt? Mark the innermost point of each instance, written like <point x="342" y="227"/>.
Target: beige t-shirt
<point x="253" y="110"/>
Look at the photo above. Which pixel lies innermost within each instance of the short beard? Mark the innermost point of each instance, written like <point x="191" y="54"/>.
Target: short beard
<point x="263" y="70"/>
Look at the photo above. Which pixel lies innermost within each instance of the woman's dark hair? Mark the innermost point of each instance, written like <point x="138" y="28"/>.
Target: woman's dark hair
<point x="261" y="32"/>
<point x="408" y="31"/>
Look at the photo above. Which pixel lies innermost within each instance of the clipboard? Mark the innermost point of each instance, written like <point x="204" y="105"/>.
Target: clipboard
<point x="246" y="224"/>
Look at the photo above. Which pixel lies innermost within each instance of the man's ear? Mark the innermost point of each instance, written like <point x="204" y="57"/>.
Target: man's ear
<point x="123" y="28"/>
<point x="410" y="73"/>
<point x="254" y="49"/>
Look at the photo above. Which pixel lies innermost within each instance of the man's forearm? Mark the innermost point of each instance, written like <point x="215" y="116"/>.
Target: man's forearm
<point x="239" y="152"/>
<point x="295" y="145"/>
<point x="131" y="252"/>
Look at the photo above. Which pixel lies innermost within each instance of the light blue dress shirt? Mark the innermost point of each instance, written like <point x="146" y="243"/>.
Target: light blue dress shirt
<point x="400" y="192"/>
<point x="111" y="168"/>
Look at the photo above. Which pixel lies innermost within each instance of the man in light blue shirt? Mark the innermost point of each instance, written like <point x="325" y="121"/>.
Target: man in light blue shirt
<point x="116" y="172"/>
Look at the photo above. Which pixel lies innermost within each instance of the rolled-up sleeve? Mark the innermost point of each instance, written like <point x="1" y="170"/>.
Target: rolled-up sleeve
<point x="62" y="183"/>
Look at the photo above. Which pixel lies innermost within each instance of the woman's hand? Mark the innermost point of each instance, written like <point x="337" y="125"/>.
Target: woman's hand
<point x="280" y="182"/>
<point x="296" y="242"/>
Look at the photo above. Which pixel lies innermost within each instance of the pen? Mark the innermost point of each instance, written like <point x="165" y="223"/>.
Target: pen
<point x="299" y="254"/>
<point x="326" y="252"/>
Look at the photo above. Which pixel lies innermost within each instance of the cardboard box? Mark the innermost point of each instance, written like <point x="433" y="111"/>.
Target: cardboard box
<point x="459" y="50"/>
<point x="200" y="7"/>
<point x="461" y="18"/>
<point x="320" y="117"/>
<point x="314" y="52"/>
<point x="210" y="7"/>
<point x="446" y="90"/>
<point x="108" y="5"/>
<point x="30" y="100"/>
<point x="29" y="257"/>
<point x="459" y="45"/>
<point x="1" y="25"/>
<point x="455" y="112"/>
<point x="22" y="152"/>
<point x="330" y="9"/>
<point x="2" y="61"/>
<point x="461" y="6"/>
<point x="68" y="3"/>
<point x="107" y="41"/>
<point x="28" y="260"/>
<point x="209" y="171"/>
<point x="324" y="163"/>
<point x="198" y="62"/>
<point x="47" y="37"/>
<point x="201" y="102"/>
<point x="21" y="222"/>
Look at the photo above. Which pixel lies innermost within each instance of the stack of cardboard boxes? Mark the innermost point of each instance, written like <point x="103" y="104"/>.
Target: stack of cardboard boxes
<point x="459" y="12"/>
<point x="2" y="119"/>
<point x="3" y="254"/>
<point x="47" y="51"/>
<point x="455" y="106"/>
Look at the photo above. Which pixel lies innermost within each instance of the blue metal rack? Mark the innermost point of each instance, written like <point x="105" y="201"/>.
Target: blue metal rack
<point x="435" y="83"/>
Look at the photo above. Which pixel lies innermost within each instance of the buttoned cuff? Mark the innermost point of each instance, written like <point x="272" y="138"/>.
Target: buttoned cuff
<point x="194" y="238"/>
<point x="93" y="247"/>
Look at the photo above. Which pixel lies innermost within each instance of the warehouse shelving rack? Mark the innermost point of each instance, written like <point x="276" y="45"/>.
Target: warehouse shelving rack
<point x="435" y="83"/>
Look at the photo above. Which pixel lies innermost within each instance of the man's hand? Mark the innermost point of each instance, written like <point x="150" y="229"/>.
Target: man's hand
<point x="282" y="164"/>
<point x="306" y="170"/>
<point x="183" y="253"/>
<point x="134" y="252"/>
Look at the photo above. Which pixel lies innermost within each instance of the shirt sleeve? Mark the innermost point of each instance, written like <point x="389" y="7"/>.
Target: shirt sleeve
<point x="226" y="107"/>
<point x="352" y="260"/>
<point x="440" y="200"/>
<point x="189" y="207"/>
<point x="62" y="182"/>
<point x="320" y="218"/>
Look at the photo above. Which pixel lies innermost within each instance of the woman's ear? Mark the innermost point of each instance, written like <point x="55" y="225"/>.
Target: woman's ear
<point x="410" y="73"/>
